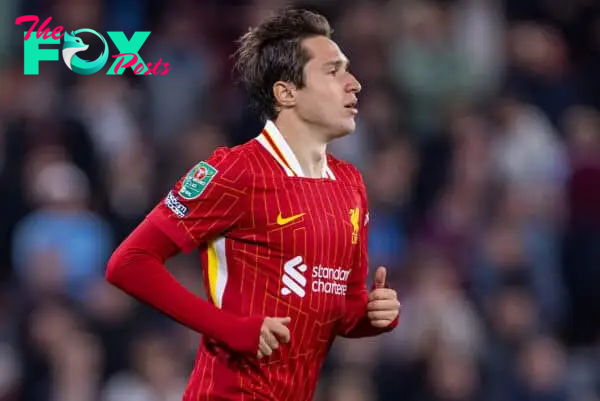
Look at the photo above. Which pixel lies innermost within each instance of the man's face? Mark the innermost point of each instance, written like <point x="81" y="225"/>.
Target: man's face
<point x="328" y="99"/>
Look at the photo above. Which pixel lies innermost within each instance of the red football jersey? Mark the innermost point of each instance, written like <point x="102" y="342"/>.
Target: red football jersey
<point x="276" y="243"/>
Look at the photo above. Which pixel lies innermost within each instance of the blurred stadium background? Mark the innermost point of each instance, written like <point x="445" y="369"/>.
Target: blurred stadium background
<point x="479" y="139"/>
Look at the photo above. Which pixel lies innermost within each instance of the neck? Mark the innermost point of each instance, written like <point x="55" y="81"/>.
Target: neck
<point x="308" y="146"/>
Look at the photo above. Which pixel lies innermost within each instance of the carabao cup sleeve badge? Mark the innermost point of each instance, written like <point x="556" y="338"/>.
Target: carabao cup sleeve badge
<point x="196" y="181"/>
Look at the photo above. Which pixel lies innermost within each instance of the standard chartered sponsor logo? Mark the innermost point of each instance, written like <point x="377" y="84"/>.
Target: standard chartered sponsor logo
<point x="293" y="277"/>
<point x="329" y="280"/>
<point x="326" y="280"/>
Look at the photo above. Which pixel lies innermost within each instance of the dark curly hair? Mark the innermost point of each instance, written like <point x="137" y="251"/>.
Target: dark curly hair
<point x="273" y="52"/>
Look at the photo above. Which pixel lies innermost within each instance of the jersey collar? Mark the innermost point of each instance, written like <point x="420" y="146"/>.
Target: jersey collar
<point x="272" y="140"/>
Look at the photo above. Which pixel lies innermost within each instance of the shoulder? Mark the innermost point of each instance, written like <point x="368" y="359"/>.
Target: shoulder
<point x="225" y="169"/>
<point x="228" y="158"/>
<point x="345" y="171"/>
<point x="230" y="163"/>
<point x="350" y="174"/>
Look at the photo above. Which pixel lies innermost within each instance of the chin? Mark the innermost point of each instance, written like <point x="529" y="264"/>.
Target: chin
<point x="343" y="129"/>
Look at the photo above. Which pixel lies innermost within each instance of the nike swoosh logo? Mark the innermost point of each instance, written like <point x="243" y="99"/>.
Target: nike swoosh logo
<point x="283" y="221"/>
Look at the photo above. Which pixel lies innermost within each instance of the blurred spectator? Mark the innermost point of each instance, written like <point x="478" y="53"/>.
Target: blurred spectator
<point x="542" y="70"/>
<point x="10" y="364"/>
<point x="453" y="377"/>
<point x="582" y="234"/>
<point x="389" y="179"/>
<point x="512" y="320"/>
<point x="351" y="386"/>
<point x="61" y="240"/>
<point x="479" y="36"/>
<point x="61" y="358"/>
<point x="181" y="94"/>
<point x="426" y="64"/>
<point x="510" y="255"/>
<point x="436" y="314"/>
<point x="542" y="365"/>
<point x="7" y="10"/>
<point x="528" y="151"/>
<point x="106" y="104"/>
<point x="157" y="376"/>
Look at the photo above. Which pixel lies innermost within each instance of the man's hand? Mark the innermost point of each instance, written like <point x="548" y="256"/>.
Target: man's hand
<point x="273" y="332"/>
<point x="383" y="306"/>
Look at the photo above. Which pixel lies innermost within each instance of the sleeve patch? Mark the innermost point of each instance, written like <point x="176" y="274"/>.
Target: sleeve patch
<point x="196" y="181"/>
<point x="175" y="206"/>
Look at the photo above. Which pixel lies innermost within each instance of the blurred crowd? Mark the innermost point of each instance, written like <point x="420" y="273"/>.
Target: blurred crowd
<point x="479" y="140"/>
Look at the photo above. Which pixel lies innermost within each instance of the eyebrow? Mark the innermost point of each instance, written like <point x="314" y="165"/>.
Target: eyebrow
<point x="338" y="63"/>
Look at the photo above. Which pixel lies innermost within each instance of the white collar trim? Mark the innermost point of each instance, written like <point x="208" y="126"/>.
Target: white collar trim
<point x="274" y="142"/>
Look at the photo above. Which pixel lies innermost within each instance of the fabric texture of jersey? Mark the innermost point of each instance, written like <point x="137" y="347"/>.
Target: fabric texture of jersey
<point x="274" y="243"/>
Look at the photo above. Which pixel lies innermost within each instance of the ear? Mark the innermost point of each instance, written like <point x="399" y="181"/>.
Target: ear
<point x="285" y="94"/>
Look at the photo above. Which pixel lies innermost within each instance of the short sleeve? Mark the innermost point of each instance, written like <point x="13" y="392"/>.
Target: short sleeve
<point x="205" y="203"/>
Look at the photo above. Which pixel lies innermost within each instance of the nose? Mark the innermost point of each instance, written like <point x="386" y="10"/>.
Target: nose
<point x="353" y="85"/>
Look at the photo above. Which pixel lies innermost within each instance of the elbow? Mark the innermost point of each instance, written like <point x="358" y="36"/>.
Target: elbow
<point x="141" y="250"/>
<point x="116" y="266"/>
<point x="112" y="268"/>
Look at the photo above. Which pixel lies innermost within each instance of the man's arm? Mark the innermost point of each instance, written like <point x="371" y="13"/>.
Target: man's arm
<point x="363" y="308"/>
<point x="202" y="205"/>
<point x="138" y="268"/>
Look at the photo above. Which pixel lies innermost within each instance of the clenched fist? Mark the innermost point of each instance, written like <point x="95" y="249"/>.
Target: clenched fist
<point x="383" y="306"/>
<point x="273" y="332"/>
